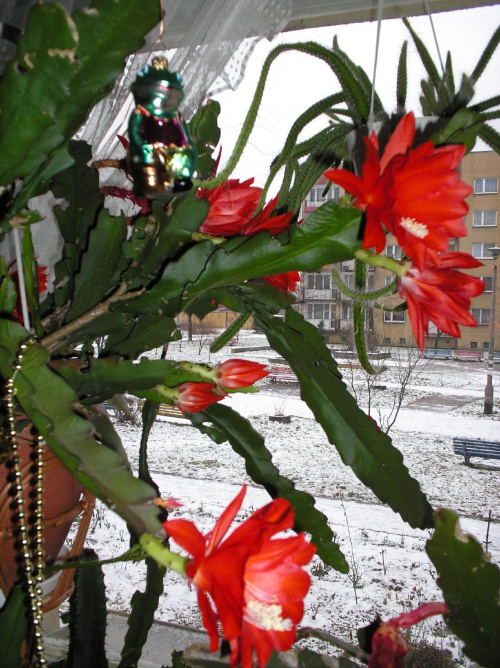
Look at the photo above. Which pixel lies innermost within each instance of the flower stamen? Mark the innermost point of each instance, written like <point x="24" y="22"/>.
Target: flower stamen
<point x="267" y="616"/>
<point x="418" y="230"/>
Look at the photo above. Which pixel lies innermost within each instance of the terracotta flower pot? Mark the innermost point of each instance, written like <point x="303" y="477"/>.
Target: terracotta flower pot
<point x="61" y="505"/>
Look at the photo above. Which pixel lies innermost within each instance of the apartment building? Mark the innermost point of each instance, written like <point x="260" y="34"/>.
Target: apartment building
<point x="326" y="307"/>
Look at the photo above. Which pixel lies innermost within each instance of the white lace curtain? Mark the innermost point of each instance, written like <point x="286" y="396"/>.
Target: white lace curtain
<point x="209" y="43"/>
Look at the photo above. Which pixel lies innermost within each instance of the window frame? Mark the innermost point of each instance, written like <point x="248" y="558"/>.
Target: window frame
<point x="482" y="180"/>
<point x="397" y="251"/>
<point x="487" y="279"/>
<point x="482" y="212"/>
<point x="484" y="244"/>
<point x="389" y="317"/>
<point x="482" y="316"/>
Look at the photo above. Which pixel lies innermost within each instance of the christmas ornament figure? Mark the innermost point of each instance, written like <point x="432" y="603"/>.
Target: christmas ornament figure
<point x="161" y="153"/>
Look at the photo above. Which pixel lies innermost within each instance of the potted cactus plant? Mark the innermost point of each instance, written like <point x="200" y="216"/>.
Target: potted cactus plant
<point x="123" y="281"/>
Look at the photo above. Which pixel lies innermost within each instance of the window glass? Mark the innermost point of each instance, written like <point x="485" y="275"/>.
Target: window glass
<point x="487" y="218"/>
<point x="482" y="315"/>
<point x="394" y="316"/>
<point x="482" y="250"/>
<point x="485" y="185"/>
<point x="488" y="283"/>
<point x="394" y="251"/>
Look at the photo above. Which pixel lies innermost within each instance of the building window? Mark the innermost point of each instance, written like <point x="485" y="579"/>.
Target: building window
<point x="317" y="194"/>
<point x="488" y="283"/>
<point x="402" y="340"/>
<point x="482" y="315"/>
<point x="486" y="344"/>
<point x="318" y="311"/>
<point x="394" y="252"/>
<point x="348" y="280"/>
<point x="452" y="244"/>
<point x="485" y="185"/>
<point x="473" y="344"/>
<point x="387" y="339"/>
<point x="346" y="311"/>
<point x="318" y="281"/>
<point x="482" y="251"/>
<point x="485" y="218"/>
<point x="394" y="316"/>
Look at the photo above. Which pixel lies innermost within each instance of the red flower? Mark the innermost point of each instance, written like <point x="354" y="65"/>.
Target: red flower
<point x="256" y="584"/>
<point x="441" y="294"/>
<point x="388" y="643"/>
<point x="125" y="193"/>
<point x="262" y="221"/>
<point x="239" y="373"/>
<point x="195" y="397"/>
<point x="428" y="199"/>
<point x="284" y="282"/>
<point x="416" y="193"/>
<point x="42" y="286"/>
<point x="370" y="191"/>
<point x="232" y="206"/>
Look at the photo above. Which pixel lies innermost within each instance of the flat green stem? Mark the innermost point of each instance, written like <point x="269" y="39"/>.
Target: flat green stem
<point x="398" y="268"/>
<point x="162" y="555"/>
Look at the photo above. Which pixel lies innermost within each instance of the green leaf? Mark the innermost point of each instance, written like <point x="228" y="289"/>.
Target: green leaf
<point x="8" y="292"/>
<point x="48" y="402"/>
<point x="111" y="375"/>
<point x="370" y="453"/>
<point x="199" y="656"/>
<point x="486" y="104"/>
<point x="98" y="264"/>
<point x="153" y="243"/>
<point x="33" y="86"/>
<point x="63" y="67"/>
<point x="402" y="80"/>
<point x="427" y="61"/>
<point x="491" y="137"/>
<point x="228" y="334"/>
<point x="328" y="235"/>
<point x="78" y="185"/>
<point x="250" y="445"/>
<point x="87" y="613"/>
<point x="462" y="128"/>
<point x="13" y="627"/>
<point x="471" y="587"/>
<point x="486" y="56"/>
<point x="144" y="333"/>
<point x="149" y="413"/>
<point x="144" y="605"/>
<point x="205" y="133"/>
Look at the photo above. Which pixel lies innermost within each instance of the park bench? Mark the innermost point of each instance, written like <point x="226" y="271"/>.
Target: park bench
<point x="467" y="355"/>
<point x="436" y="353"/>
<point x="281" y="374"/>
<point x="475" y="447"/>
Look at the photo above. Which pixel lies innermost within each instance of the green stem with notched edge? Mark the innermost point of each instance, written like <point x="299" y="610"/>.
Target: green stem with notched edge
<point x="368" y="257"/>
<point x="308" y="632"/>
<point x="162" y="555"/>
<point x="134" y="554"/>
<point x="205" y="373"/>
<point x="355" y="98"/>
<point x="361" y="296"/>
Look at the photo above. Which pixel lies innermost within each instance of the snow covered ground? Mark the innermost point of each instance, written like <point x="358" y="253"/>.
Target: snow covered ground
<point x="390" y="571"/>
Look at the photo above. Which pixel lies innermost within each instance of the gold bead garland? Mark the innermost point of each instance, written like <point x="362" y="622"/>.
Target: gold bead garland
<point x="28" y="533"/>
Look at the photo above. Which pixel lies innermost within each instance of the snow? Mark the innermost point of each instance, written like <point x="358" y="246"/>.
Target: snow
<point x="390" y="571"/>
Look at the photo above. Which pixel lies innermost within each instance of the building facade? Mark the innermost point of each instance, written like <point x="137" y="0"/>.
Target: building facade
<point x="324" y="305"/>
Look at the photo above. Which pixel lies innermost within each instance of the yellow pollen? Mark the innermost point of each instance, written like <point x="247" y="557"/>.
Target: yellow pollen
<point x="267" y="616"/>
<point x="417" y="229"/>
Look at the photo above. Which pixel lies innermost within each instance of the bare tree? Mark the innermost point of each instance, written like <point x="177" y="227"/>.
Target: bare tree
<point x="406" y="365"/>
